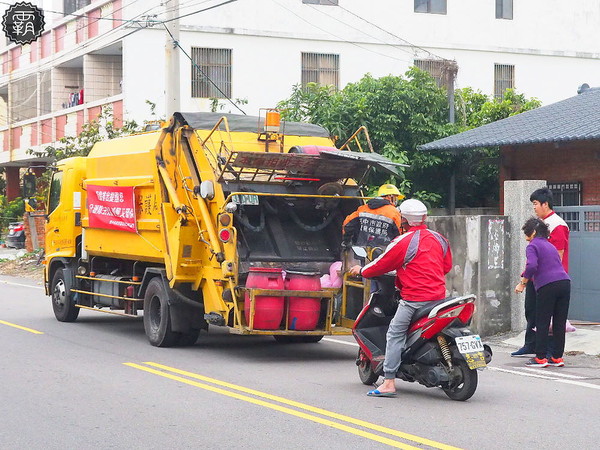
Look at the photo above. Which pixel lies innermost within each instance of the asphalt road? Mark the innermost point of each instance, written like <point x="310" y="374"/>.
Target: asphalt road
<point x="98" y="384"/>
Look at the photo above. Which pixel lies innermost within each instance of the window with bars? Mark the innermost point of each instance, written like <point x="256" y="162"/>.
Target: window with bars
<point x="435" y="68"/>
<point x="321" y="68"/>
<point x="211" y="72"/>
<point x="70" y="6"/>
<point x="504" y="9"/>
<point x="321" y="2"/>
<point x="566" y="194"/>
<point x="431" y="6"/>
<point x="504" y="78"/>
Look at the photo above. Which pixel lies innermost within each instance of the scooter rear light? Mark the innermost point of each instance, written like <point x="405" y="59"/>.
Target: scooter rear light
<point x="454" y="312"/>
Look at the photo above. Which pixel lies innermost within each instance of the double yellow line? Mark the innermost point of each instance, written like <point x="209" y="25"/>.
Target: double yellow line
<point x="237" y="392"/>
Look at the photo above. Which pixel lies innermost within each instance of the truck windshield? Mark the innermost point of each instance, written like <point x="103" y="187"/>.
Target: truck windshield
<point x="54" y="197"/>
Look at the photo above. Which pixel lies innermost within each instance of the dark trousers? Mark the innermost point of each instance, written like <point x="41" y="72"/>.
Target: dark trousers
<point x="552" y="302"/>
<point x="530" y="297"/>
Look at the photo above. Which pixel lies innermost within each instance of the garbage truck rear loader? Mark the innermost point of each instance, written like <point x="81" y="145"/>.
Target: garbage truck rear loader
<point x="215" y="219"/>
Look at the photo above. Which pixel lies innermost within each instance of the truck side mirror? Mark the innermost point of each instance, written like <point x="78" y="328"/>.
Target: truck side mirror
<point x="29" y="185"/>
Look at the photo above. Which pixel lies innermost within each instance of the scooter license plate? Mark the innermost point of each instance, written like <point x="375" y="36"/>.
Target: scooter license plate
<point x="472" y="350"/>
<point x="469" y="344"/>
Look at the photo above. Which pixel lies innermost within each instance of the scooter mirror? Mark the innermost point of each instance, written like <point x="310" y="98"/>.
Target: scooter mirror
<point x="359" y="251"/>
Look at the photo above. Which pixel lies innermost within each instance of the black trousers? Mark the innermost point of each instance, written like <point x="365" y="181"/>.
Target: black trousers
<point x="552" y="302"/>
<point x="530" y="296"/>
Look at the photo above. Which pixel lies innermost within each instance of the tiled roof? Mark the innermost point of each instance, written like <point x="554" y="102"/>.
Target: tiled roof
<point x="576" y="118"/>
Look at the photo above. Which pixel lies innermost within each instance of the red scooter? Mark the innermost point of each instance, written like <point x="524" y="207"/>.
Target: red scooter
<point x="440" y="350"/>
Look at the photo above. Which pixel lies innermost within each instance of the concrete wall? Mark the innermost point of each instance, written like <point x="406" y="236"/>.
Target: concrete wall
<point x="518" y="209"/>
<point x="102" y="76"/>
<point x="481" y="256"/>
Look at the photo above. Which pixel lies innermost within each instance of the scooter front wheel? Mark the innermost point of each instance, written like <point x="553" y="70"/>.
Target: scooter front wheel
<point x="365" y="371"/>
<point x="464" y="383"/>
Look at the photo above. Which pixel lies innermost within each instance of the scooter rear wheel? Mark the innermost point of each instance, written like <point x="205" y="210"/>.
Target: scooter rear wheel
<point x="365" y="372"/>
<point x="465" y="383"/>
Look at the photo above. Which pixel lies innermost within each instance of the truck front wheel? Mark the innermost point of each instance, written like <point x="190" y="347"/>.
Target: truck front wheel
<point x="62" y="301"/>
<point x="157" y="318"/>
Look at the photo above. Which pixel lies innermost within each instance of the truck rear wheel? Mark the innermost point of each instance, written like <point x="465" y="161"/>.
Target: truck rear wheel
<point x="157" y="317"/>
<point x="62" y="301"/>
<point x="189" y="338"/>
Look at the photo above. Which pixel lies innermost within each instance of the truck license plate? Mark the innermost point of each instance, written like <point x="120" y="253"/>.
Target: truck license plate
<point x="245" y="199"/>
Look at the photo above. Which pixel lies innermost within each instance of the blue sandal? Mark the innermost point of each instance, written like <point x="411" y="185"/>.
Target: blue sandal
<point x="377" y="393"/>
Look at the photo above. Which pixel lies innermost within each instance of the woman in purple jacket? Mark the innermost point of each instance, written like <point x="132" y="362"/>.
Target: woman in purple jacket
<point x="553" y="289"/>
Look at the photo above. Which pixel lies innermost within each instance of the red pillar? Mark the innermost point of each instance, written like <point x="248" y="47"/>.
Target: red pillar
<point x="13" y="185"/>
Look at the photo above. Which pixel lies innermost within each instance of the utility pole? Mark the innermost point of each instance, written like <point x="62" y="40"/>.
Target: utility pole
<point x="172" y="89"/>
<point x="450" y="70"/>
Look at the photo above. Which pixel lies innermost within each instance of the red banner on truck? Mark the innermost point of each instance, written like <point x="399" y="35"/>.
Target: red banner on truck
<point x="111" y="207"/>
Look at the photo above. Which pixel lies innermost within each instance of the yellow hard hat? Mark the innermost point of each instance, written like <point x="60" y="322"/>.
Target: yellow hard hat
<point x="389" y="189"/>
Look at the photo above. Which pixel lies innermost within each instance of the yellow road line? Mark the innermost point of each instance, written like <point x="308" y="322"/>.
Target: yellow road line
<point x="279" y="408"/>
<point x="310" y="408"/>
<point x="20" y="327"/>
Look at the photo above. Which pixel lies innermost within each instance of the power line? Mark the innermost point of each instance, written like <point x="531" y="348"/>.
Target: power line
<point x="331" y="16"/>
<point x="52" y="62"/>
<point x="388" y="32"/>
<point x="202" y="72"/>
<point x="336" y="36"/>
<point x="88" y="42"/>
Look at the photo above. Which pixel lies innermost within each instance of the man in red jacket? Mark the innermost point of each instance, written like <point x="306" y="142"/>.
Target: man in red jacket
<point x="421" y="258"/>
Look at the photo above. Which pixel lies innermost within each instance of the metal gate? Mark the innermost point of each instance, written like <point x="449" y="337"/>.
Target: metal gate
<point x="584" y="253"/>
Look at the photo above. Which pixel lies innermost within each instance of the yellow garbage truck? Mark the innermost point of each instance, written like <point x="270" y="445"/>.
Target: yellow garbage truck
<point x="214" y="219"/>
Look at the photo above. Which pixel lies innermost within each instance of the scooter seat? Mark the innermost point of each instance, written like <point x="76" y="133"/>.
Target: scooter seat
<point x="425" y="310"/>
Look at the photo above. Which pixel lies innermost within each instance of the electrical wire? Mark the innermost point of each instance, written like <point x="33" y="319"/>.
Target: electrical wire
<point x="331" y="16"/>
<point x="336" y="36"/>
<point x="389" y="32"/>
<point x="88" y="42"/>
<point x="175" y="42"/>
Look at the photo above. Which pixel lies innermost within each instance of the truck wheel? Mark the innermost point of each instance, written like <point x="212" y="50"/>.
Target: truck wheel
<point x="157" y="318"/>
<point x="62" y="301"/>
<point x="189" y="338"/>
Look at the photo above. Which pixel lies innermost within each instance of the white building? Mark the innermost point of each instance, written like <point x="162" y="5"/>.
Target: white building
<point x="112" y="52"/>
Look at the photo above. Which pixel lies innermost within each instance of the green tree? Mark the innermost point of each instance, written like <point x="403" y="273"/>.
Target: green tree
<point x="403" y="112"/>
<point x="476" y="170"/>
<point x="11" y="211"/>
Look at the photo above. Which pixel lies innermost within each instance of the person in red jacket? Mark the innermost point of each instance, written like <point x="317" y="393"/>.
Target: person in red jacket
<point x="421" y="259"/>
<point x="375" y="223"/>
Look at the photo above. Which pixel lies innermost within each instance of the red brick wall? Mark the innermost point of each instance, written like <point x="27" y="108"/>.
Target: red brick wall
<point x="15" y="54"/>
<point x="33" y="54"/>
<point x="93" y="17"/>
<point x="59" y="38"/>
<point x="40" y="227"/>
<point x="555" y="163"/>
<point x="46" y="44"/>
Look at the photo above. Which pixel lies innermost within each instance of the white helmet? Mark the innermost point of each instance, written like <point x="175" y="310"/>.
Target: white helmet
<point x="414" y="211"/>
